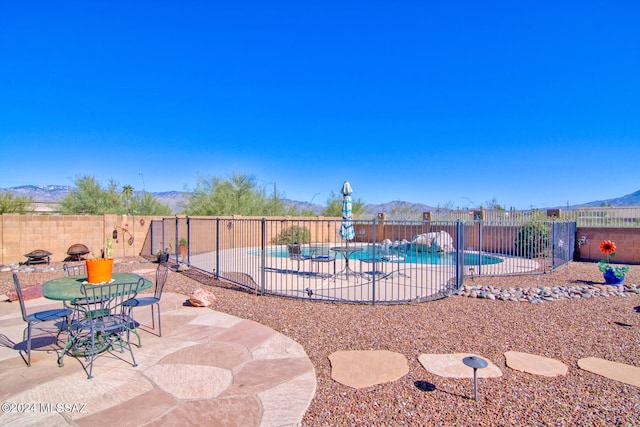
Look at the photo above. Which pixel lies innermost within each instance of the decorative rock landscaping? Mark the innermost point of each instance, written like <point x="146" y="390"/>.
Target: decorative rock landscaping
<point x="535" y="295"/>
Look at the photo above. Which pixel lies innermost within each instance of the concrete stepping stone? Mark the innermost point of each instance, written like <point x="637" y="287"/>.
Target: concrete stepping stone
<point x="613" y="370"/>
<point x="359" y="369"/>
<point x="534" y="364"/>
<point x="451" y="366"/>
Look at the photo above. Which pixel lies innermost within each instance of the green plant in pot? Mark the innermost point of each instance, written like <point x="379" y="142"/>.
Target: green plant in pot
<point x="182" y="247"/>
<point x="100" y="270"/>
<point x="613" y="274"/>
<point x="163" y="254"/>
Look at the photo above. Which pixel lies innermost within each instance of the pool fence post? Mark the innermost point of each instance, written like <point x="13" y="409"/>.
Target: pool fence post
<point x="373" y="282"/>
<point x="217" y="263"/>
<point x="459" y="254"/>
<point x="480" y="223"/>
<point x="263" y="238"/>
<point x="188" y="240"/>
<point x="176" y="238"/>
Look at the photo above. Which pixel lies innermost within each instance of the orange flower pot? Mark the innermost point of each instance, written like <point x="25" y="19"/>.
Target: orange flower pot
<point x="99" y="270"/>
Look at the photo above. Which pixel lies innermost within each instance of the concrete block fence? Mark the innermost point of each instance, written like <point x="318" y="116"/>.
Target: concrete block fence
<point x="21" y="234"/>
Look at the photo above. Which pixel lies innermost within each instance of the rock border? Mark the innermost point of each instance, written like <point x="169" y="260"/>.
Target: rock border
<point x="535" y="295"/>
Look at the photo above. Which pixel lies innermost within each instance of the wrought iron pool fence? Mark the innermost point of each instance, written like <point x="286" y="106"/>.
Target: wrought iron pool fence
<point x="587" y="216"/>
<point x="387" y="262"/>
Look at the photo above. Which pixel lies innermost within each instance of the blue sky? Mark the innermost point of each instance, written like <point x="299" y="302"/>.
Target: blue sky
<point x="533" y="104"/>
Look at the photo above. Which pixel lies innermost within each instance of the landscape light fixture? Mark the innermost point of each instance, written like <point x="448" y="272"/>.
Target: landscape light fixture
<point x="475" y="363"/>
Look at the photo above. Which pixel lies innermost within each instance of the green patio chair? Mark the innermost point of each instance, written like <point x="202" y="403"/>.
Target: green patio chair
<point x="61" y="314"/>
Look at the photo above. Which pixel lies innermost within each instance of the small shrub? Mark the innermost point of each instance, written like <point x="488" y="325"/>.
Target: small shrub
<point x="533" y="240"/>
<point x="293" y="234"/>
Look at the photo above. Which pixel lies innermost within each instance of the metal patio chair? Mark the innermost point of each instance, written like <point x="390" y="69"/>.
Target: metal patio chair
<point x="106" y="323"/>
<point x="76" y="305"/>
<point x="74" y="270"/>
<point x="385" y="255"/>
<point x="61" y="314"/>
<point x="374" y="259"/>
<point x="323" y="254"/>
<point x="295" y="253"/>
<point x="162" y="273"/>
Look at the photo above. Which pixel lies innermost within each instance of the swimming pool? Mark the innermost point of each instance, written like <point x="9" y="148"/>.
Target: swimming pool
<point x="411" y="257"/>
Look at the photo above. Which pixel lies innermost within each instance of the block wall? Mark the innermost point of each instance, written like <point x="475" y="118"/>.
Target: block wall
<point x="627" y="242"/>
<point x="21" y="234"/>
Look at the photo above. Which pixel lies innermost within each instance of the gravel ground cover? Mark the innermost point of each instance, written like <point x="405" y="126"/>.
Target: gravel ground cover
<point x="566" y="329"/>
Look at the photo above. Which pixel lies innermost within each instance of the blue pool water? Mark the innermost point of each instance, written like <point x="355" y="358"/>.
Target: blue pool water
<point x="412" y="257"/>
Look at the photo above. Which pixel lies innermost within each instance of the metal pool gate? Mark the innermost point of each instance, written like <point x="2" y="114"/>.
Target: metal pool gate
<point x="387" y="262"/>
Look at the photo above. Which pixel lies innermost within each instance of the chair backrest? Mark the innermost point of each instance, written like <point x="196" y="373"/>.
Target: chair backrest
<point x="16" y="284"/>
<point x="162" y="273"/>
<point x="74" y="270"/>
<point x="321" y="252"/>
<point x="109" y="299"/>
<point x="295" y="251"/>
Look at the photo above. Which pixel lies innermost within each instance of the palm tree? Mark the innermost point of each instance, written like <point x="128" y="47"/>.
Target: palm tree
<point x="127" y="191"/>
<point x="127" y="194"/>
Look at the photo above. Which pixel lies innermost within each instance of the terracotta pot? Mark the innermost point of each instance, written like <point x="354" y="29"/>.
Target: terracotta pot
<point x="182" y="250"/>
<point x="99" y="270"/>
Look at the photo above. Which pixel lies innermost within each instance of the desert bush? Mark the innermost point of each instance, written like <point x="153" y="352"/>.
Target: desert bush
<point x="293" y="234"/>
<point x="533" y="239"/>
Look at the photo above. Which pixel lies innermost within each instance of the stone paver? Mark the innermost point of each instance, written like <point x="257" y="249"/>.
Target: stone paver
<point x="613" y="370"/>
<point x="208" y="368"/>
<point x="451" y="366"/>
<point x="534" y="364"/>
<point x="361" y="369"/>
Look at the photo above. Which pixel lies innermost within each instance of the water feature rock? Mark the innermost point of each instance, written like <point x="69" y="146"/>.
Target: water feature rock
<point x="439" y="241"/>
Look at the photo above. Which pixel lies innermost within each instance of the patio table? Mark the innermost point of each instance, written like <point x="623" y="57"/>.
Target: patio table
<point x="347" y="251"/>
<point x="69" y="288"/>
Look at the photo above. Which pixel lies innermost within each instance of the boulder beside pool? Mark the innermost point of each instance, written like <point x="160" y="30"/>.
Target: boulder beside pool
<point x="437" y="241"/>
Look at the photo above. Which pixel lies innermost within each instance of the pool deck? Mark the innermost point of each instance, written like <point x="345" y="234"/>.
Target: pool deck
<point x="208" y="368"/>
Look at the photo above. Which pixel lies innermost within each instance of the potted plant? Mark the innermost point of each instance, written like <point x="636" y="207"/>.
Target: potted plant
<point x="613" y="274"/>
<point x="163" y="254"/>
<point x="100" y="270"/>
<point x="182" y="247"/>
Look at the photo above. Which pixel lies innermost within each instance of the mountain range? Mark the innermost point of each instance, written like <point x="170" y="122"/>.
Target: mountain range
<point x="175" y="199"/>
